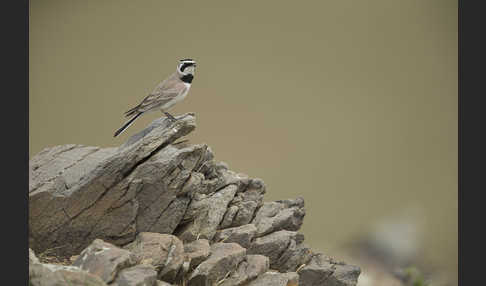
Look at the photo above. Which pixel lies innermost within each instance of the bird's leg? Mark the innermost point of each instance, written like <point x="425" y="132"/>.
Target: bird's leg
<point x="170" y="116"/>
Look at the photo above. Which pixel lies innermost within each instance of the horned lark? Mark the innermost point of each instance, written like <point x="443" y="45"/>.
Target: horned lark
<point x="165" y="95"/>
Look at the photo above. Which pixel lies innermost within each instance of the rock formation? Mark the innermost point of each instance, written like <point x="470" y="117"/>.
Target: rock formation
<point x="155" y="211"/>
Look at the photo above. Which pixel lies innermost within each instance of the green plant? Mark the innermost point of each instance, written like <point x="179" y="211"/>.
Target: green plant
<point x="415" y="277"/>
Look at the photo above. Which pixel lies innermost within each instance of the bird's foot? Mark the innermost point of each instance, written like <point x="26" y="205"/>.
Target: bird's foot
<point x="171" y="118"/>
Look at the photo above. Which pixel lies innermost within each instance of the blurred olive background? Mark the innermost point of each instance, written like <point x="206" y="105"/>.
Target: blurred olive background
<point x="350" y="104"/>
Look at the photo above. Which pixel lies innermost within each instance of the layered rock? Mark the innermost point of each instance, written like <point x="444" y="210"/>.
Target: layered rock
<point x="154" y="205"/>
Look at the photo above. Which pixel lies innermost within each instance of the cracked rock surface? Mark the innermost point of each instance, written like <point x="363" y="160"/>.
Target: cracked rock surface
<point x="155" y="211"/>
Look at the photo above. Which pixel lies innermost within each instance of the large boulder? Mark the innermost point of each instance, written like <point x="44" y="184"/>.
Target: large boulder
<point x="79" y="193"/>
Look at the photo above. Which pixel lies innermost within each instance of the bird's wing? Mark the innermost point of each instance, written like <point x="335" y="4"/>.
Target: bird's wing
<point x="163" y="93"/>
<point x="156" y="100"/>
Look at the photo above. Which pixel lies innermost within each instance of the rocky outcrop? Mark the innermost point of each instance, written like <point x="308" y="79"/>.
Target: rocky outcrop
<point x="155" y="205"/>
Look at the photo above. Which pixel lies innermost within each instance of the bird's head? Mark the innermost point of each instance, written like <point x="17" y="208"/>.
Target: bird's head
<point x="186" y="67"/>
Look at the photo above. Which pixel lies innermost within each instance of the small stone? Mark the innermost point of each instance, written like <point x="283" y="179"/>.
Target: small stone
<point x="163" y="251"/>
<point x="138" y="275"/>
<point x="104" y="260"/>
<point x="274" y="245"/>
<point x="229" y="216"/>
<point x="32" y="257"/>
<point x="276" y="279"/>
<point x="249" y="269"/>
<point x="162" y="283"/>
<point x="196" y="252"/>
<point x="241" y="235"/>
<point x="206" y="214"/>
<point x="224" y="259"/>
<point x="73" y="258"/>
<point x="322" y="268"/>
<point x="279" y="215"/>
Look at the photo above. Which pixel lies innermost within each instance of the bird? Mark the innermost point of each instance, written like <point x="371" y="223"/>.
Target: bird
<point x="165" y="95"/>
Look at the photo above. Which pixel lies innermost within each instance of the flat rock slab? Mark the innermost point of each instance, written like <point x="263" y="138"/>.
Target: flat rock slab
<point x="104" y="260"/>
<point x="138" y="275"/>
<point x="224" y="258"/>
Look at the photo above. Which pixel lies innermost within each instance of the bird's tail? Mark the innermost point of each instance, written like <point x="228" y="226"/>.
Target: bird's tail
<point x="132" y="111"/>
<point x="126" y="125"/>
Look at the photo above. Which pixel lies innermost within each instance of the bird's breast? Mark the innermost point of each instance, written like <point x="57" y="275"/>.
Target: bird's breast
<point x="178" y="98"/>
